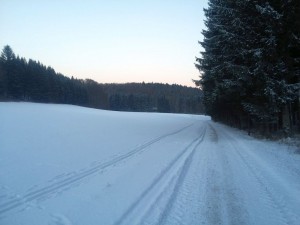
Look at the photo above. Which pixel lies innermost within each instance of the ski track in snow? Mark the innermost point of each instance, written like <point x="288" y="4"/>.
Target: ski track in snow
<point x="202" y="173"/>
<point x="63" y="182"/>
<point x="167" y="182"/>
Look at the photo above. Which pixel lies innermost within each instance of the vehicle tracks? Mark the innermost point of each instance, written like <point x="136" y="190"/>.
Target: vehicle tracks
<point x="272" y="198"/>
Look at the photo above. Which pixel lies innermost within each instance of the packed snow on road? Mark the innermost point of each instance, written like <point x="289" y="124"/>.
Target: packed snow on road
<point x="62" y="164"/>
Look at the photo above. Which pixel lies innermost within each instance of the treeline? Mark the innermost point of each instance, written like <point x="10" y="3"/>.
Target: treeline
<point x="152" y="97"/>
<point x="22" y="80"/>
<point x="250" y="69"/>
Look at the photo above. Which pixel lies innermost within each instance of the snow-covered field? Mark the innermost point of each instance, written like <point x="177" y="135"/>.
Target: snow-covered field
<point x="62" y="165"/>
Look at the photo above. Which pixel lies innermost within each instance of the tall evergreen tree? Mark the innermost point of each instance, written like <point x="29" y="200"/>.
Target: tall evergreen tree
<point x="246" y="68"/>
<point x="219" y="64"/>
<point x="7" y="54"/>
<point x="10" y="79"/>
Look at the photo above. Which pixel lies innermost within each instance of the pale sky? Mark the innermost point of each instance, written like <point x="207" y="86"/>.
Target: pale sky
<point x="108" y="40"/>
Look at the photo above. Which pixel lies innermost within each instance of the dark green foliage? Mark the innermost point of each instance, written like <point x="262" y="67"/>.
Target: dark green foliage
<point x="97" y="98"/>
<point x="154" y="97"/>
<point x="7" y="54"/>
<point x="163" y="104"/>
<point x="32" y="81"/>
<point x="250" y="66"/>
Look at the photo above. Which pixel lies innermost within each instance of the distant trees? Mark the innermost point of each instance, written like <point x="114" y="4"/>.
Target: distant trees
<point x="32" y="81"/>
<point x="250" y="67"/>
<point x="8" y="76"/>
<point x="22" y="80"/>
<point x="7" y="54"/>
<point x="97" y="98"/>
<point x="154" y="97"/>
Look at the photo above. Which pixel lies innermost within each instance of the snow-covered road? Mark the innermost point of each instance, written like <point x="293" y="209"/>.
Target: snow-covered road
<point x="71" y="165"/>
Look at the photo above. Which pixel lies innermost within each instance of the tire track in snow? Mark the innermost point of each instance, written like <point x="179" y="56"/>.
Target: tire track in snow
<point x="273" y="199"/>
<point x="170" y="179"/>
<point x="268" y="193"/>
<point x="179" y="183"/>
<point x="77" y="176"/>
<point x="201" y="199"/>
<point x="230" y="204"/>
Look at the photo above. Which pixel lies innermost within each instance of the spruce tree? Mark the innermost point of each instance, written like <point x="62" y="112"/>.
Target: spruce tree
<point x="250" y="66"/>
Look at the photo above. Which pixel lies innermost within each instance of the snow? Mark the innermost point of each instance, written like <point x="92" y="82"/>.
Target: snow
<point x="66" y="165"/>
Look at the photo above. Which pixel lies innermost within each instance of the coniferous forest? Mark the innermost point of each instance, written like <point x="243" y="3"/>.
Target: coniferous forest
<point x="29" y="80"/>
<point x="250" y="67"/>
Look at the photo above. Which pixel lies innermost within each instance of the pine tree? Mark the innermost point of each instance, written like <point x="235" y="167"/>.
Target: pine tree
<point x="246" y="68"/>
<point x="7" y="54"/>
<point x="219" y="64"/>
<point x="289" y="48"/>
<point x="10" y="76"/>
